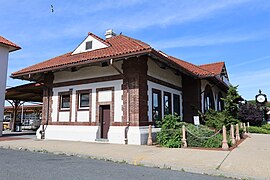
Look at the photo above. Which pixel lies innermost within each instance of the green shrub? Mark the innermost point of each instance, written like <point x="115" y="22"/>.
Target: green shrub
<point x="215" y="142"/>
<point x="216" y="119"/>
<point x="201" y="137"/>
<point x="171" y="132"/>
<point x="266" y="126"/>
<point x="261" y="130"/>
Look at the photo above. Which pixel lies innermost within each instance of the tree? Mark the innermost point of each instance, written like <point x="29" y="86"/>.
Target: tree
<point x="231" y="102"/>
<point x="251" y="113"/>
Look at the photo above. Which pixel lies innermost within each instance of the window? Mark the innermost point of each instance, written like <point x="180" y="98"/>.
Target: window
<point x="88" y="45"/>
<point x="65" y="101"/>
<point x="220" y="104"/>
<point x="167" y="103"/>
<point x="156" y="105"/>
<point x="176" y="104"/>
<point x="207" y="103"/>
<point x="208" y="99"/>
<point x="84" y="100"/>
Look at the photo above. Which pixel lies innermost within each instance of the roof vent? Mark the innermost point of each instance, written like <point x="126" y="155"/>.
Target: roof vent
<point x="109" y="33"/>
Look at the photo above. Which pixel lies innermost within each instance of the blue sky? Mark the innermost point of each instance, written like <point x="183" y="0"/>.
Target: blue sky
<point x="198" y="31"/>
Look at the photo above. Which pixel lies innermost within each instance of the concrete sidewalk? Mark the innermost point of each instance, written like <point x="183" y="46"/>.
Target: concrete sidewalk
<point x="243" y="162"/>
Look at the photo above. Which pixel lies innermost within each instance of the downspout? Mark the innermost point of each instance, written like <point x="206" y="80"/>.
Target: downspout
<point x="128" y="97"/>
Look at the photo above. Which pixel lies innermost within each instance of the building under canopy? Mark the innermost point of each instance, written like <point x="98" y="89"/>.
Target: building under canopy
<point x="18" y="95"/>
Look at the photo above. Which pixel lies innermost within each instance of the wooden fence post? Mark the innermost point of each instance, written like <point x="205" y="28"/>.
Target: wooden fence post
<point x="232" y="134"/>
<point x="245" y="131"/>
<point x="150" y="141"/>
<point x="225" y="145"/>
<point x="184" y="140"/>
<point x="237" y="138"/>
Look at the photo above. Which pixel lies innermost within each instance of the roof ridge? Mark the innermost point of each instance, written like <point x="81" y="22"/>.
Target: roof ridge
<point x="212" y="63"/>
<point x="141" y="43"/>
<point x="99" y="38"/>
<point x="194" y="65"/>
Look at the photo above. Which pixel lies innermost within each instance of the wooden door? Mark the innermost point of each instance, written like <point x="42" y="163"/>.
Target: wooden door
<point x="105" y="120"/>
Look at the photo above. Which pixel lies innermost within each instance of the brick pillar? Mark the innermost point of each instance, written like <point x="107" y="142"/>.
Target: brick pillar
<point x="135" y="72"/>
<point x="191" y="97"/>
<point x="47" y="91"/>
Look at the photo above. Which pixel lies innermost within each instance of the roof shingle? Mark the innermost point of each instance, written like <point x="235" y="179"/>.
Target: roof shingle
<point x="215" y="68"/>
<point x="9" y="43"/>
<point x="118" y="46"/>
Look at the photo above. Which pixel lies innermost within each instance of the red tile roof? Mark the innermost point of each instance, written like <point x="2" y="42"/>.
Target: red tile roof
<point x="118" y="46"/>
<point x="9" y="43"/>
<point x="215" y="68"/>
<point x="197" y="70"/>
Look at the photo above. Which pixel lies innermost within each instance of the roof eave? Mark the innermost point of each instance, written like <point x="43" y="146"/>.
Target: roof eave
<point x="10" y="47"/>
<point x="86" y="62"/>
<point x="183" y="70"/>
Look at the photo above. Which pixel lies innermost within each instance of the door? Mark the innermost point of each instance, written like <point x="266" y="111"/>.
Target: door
<point x="105" y="120"/>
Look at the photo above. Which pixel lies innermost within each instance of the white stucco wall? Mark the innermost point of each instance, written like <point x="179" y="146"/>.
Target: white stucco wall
<point x="86" y="73"/>
<point x="166" y="75"/>
<point x="4" y="52"/>
<point x="118" y="92"/>
<point x="95" y="45"/>
<point x="70" y="133"/>
<point x="152" y="85"/>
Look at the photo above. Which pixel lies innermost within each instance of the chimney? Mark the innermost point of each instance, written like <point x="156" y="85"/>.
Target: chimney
<point x="109" y="33"/>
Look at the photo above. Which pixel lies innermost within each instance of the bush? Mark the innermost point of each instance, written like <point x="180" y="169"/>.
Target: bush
<point x="251" y="113"/>
<point x="216" y="119"/>
<point x="261" y="130"/>
<point x="171" y="132"/>
<point x="214" y="142"/>
<point x="201" y="137"/>
<point x="266" y="126"/>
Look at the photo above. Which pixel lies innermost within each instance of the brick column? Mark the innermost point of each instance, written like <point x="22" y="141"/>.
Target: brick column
<point x="47" y="91"/>
<point x="135" y="72"/>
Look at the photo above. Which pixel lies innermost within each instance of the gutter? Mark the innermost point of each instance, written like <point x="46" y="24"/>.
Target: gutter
<point x="128" y="97"/>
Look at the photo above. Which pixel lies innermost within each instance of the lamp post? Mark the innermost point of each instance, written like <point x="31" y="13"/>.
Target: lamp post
<point x="261" y="99"/>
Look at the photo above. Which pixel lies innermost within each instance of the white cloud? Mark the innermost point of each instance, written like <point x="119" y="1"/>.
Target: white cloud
<point x="163" y="13"/>
<point x="208" y="40"/>
<point x="256" y="60"/>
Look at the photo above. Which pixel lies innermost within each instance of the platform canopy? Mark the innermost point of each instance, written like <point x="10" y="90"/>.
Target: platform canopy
<point x="32" y="92"/>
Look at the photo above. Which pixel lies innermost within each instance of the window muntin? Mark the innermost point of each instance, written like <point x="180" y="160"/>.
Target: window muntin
<point x="167" y="103"/>
<point x="176" y="104"/>
<point x="65" y="101"/>
<point x="84" y="100"/>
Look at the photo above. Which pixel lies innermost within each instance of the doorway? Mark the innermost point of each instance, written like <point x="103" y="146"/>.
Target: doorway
<point x="104" y="121"/>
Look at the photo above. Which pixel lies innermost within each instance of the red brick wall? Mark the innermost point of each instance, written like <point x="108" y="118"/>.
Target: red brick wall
<point x="191" y="97"/>
<point x="135" y="72"/>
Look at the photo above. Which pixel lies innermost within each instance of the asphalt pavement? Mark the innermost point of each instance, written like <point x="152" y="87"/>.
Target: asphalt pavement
<point x="250" y="160"/>
<point x="28" y="165"/>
